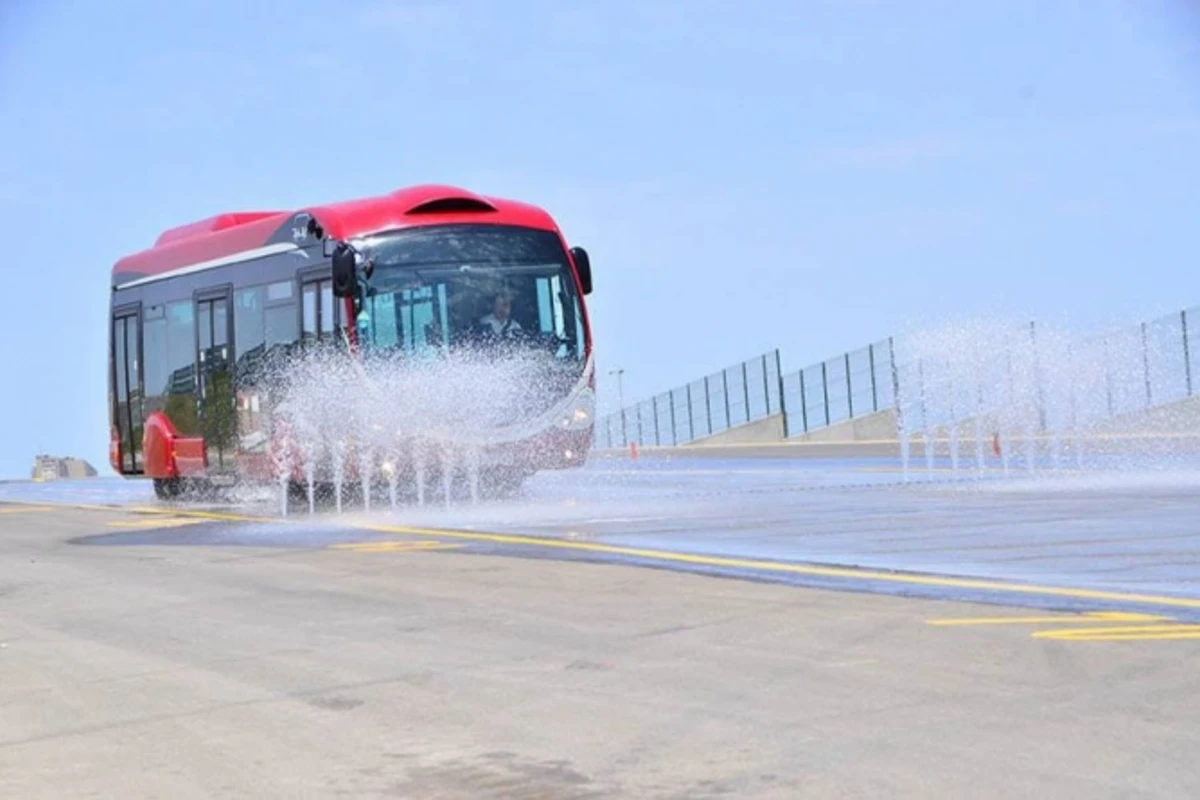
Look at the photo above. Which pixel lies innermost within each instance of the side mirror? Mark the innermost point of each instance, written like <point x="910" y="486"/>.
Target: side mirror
<point x="345" y="270"/>
<point x="583" y="265"/>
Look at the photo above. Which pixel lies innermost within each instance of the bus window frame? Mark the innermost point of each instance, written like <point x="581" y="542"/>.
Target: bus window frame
<point x="319" y="274"/>
<point x="208" y="294"/>
<point x="127" y="309"/>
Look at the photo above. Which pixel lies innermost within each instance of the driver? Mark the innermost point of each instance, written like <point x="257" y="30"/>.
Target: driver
<point x="500" y="322"/>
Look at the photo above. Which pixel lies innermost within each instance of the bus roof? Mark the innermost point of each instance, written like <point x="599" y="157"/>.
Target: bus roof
<point x="240" y="236"/>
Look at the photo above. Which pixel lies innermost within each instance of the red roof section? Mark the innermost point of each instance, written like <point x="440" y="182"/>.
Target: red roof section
<point x="403" y="208"/>
<point x="212" y="225"/>
<point x="232" y="233"/>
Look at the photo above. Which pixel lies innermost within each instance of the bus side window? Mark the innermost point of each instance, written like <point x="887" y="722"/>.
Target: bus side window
<point x="321" y="316"/>
<point x="309" y="310"/>
<point x="280" y="329"/>
<point x="249" y="331"/>
<point x="180" y="367"/>
<point x="155" y="367"/>
<point x="279" y="318"/>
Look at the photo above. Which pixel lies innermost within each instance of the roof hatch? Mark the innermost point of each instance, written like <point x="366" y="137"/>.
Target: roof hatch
<point x="443" y="200"/>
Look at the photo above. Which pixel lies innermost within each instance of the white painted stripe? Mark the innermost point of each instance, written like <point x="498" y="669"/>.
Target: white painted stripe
<point x="223" y="261"/>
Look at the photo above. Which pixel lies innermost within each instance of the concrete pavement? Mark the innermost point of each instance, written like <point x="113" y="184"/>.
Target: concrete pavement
<point x="420" y="669"/>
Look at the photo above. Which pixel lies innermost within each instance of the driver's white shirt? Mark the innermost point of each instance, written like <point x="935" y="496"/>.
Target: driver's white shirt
<point x="497" y="326"/>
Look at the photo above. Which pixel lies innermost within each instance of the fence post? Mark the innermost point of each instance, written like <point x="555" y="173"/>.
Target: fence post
<point x="782" y="402"/>
<point x="1187" y="356"/>
<point x="639" y="425"/>
<point x="825" y="389"/>
<point x="921" y="394"/>
<point x="746" y="390"/>
<point x="1037" y="376"/>
<point x="691" y="422"/>
<point x="1146" y="365"/>
<point x="900" y="431"/>
<point x="708" y="405"/>
<point x="1108" y="391"/>
<point x="874" y="391"/>
<point x="654" y="407"/>
<point x="803" y="403"/>
<point x="674" y="434"/>
<point x="725" y="385"/>
<point x="624" y="431"/>
<point x="766" y="385"/>
<point x="849" y="389"/>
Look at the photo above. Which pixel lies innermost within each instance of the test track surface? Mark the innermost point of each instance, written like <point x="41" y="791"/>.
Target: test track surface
<point x="1108" y="541"/>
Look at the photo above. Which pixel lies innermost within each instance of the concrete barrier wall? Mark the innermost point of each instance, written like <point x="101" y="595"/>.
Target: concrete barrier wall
<point x="1170" y="429"/>
<point x="768" y="429"/>
<point x="870" y="427"/>
<point x="1180" y="417"/>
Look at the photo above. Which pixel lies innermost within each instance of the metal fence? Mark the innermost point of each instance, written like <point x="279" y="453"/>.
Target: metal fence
<point x="1135" y="368"/>
<point x="1035" y="379"/>
<point x="734" y="396"/>
<point x="1056" y="380"/>
<point x="842" y="388"/>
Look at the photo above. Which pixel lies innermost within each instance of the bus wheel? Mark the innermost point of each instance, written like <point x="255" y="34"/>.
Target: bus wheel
<point x="167" y="488"/>
<point x="503" y="484"/>
<point x="297" y="494"/>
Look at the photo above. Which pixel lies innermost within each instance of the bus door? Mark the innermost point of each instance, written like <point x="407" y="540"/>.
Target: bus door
<point x="216" y="394"/>
<point x="127" y="384"/>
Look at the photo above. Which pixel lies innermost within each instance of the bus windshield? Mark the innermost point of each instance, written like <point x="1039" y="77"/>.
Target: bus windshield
<point x="441" y="287"/>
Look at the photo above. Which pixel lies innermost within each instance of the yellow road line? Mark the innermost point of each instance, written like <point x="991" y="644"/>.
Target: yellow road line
<point x="179" y="512"/>
<point x="393" y="546"/>
<point x="186" y="512"/>
<point x="798" y="569"/>
<point x="23" y="509"/>
<point x="1095" y="616"/>
<point x="1121" y="634"/>
<point x="155" y="523"/>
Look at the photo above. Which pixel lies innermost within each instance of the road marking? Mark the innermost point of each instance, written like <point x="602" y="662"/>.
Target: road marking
<point x="394" y="546"/>
<point x="1122" y="634"/>
<point x="1156" y="629"/>
<point x="159" y="522"/>
<point x="23" y="509"/>
<point x="853" y="573"/>
<point x="166" y="512"/>
<point x="187" y="512"/>
<point x="1094" y="616"/>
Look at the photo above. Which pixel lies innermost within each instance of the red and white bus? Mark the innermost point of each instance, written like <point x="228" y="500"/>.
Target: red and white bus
<point x="197" y="316"/>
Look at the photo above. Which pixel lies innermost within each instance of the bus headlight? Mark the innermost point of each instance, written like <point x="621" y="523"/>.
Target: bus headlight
<point x="582" y="411"/>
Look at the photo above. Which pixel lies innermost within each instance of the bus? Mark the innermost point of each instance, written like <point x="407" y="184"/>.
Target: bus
<point x="200" y="320"/>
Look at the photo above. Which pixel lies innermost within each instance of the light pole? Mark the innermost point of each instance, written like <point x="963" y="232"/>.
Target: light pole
<point x="620" y="373"/>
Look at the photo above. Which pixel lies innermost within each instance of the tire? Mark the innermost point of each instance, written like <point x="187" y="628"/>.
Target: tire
<point x="503" y="484"/>
<point x="167" y="488"/>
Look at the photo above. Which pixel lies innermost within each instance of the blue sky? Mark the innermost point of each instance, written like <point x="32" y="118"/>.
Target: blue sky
<point x="808" y="174"/>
